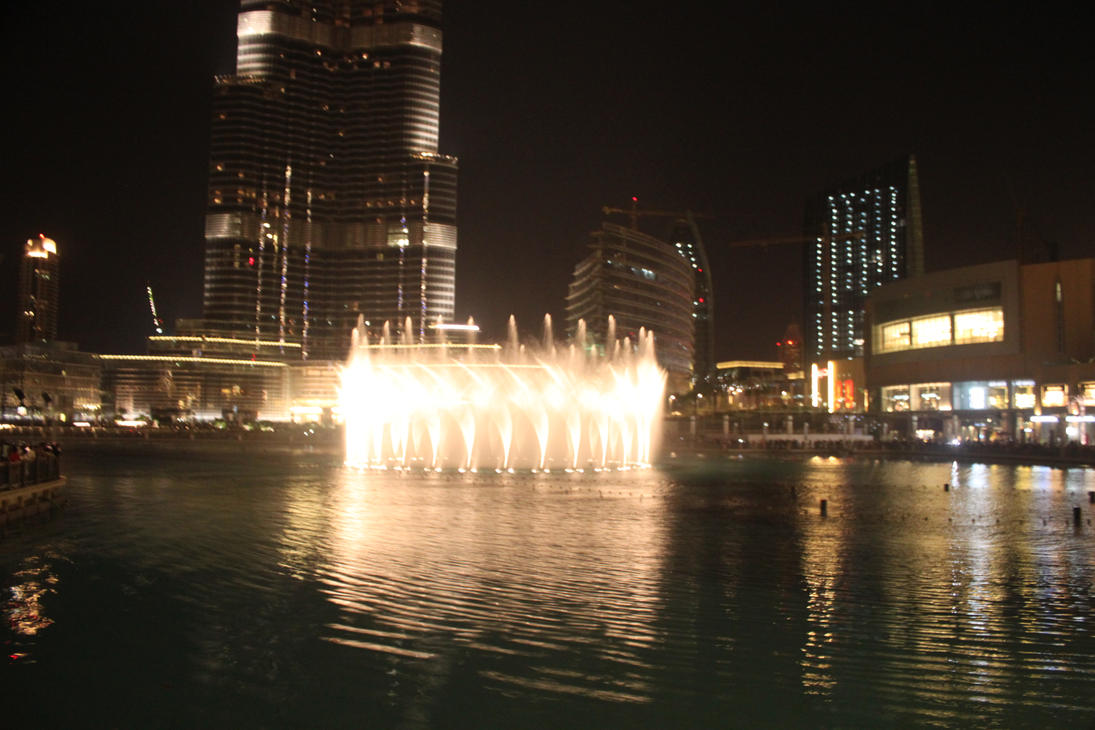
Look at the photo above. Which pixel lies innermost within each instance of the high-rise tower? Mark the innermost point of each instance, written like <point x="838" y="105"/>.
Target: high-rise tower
<point x="327" y="195"/>
<point x="38" y="289"/>
<point x="864" y="232"/>
<point x="640" y="281"/>
<point x="684" y="236"/>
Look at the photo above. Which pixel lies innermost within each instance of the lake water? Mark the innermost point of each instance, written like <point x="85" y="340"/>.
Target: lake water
<point x="189" y="589"/>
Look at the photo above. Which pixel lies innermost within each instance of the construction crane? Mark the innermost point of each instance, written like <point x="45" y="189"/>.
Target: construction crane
<point x="777" y="240"/>
<point x="157" y="323"/>
<point x="634" y="212"/>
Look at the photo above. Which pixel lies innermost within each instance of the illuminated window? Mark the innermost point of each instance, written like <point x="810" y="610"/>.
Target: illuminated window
<point x="983" y="325"/>
<point x="996" y="395"/>
<point x="941" y="330"/>
<point x="1087" y="393"/>
<point x="895" y="398"/>
<point x="1054" y="396"/>
<point x="930" y="396"/>
<point x="931" y="331"/>
<point x="895" y="337"/>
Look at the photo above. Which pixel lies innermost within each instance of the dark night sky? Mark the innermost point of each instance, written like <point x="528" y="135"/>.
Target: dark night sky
<point x="555" y="110"/>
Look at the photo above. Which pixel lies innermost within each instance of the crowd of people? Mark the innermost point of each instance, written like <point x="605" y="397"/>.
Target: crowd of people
<point x="23" y="462"/>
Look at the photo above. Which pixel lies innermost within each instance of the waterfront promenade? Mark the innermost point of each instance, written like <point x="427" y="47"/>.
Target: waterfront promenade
<point x="285" y="438"/>
<point x="1064" y="456"/>
<point x="29" y="486"/>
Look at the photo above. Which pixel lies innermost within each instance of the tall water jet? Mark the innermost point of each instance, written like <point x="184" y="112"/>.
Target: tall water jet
<point x="414" y="404"/>
<point x="512" y="344"/>
<point x="549" y="338"/>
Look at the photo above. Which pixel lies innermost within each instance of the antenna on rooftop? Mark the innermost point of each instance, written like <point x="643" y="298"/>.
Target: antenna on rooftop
<point x="157" y="323"/>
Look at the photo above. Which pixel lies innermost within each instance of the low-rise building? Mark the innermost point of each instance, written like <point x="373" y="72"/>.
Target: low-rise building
<point x="758" y="384"/>
<point x="47" y="382"/>
<point x="996" y="351"/>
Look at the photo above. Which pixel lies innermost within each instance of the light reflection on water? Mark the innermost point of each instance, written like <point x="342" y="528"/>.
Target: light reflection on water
<point x="252" y="592"/>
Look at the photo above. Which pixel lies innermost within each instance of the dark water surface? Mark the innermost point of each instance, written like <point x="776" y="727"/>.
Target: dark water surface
<point x="204" y="590"/>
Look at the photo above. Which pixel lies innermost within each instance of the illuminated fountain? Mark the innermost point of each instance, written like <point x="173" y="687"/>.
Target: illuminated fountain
<point x="409" y="405"/>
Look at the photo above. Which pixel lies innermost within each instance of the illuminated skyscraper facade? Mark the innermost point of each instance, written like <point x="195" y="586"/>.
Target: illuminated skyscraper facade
<point x="327" y="196"/>
<point x="862" y="233"/>
<point x="641" y="282"/>
<point x="38" y="289"/>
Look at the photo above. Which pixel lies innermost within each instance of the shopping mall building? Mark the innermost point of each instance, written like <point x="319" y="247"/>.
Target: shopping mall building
<point x="996" y="351"/>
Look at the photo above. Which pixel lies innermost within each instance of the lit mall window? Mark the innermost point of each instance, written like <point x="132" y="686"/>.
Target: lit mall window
<point x="930" y="396"/>
<point x="931" y="331"/>
<point x="895" y="337"/>
<point x="1054" y="396"/>
<point x="895" y="398"/>
<point x="1087" y="393"/>
<point x="983" y="325"/>
<point x="941" y="330"/>
<point x="997" y="395"/>
<point x="1022" y="394"/>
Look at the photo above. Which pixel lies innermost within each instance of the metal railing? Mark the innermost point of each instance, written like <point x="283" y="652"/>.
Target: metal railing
<point x="43" y="468"/>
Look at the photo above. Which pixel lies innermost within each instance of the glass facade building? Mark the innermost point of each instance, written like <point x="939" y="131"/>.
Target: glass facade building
<point x="989" y="352"/>
<point x="640" y="281"/>
<point x="861" y="234"/>
<point x="328" y="198"/>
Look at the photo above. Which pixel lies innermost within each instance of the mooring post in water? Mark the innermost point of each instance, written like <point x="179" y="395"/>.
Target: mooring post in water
<point x="824" y="507"/>
<point x="1076" y="516"/>
<point x="946" y="487"/>
<point x="1091" y="497"/>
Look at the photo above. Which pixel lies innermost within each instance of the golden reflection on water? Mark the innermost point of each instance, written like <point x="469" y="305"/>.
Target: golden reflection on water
<point x="820" y="570"/>
<point x="992" y="558"/>
<point x="426" y="566"/>
<point x="929" y="597"/>
<point x="24" y="608"/>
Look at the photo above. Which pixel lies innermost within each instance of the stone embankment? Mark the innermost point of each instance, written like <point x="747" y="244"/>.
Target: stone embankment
<point x="1062" y="456"/>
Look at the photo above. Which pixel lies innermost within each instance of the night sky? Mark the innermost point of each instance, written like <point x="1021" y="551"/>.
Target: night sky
<point x="556" y="109"/>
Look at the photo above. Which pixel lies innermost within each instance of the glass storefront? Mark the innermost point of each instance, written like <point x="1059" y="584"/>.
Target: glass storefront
<point x="981" y="395"/>
<point x="930" y="396"/>
<point x="1086" y="394"/>
<point x="1054" y="396"/>
<point x="895" y="398"/>
<point x="990" y="410"/>
<point x="976" y="395"/>
<point x="1022" y="394"/>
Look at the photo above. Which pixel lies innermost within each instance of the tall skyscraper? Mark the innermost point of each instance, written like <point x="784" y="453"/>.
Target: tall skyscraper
<point x="38" y="290"/>
<point x="642" y="282"/>
<point x="327" y="195"/>
<point x="865" y="232"/>
<point x="684" y="236"/>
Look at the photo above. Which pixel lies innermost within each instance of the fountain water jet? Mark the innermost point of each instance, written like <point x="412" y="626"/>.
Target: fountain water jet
<point x="410" y="404"/>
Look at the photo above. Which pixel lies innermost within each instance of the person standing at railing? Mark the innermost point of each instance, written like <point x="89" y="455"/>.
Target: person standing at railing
<point x="30" y="464"/>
